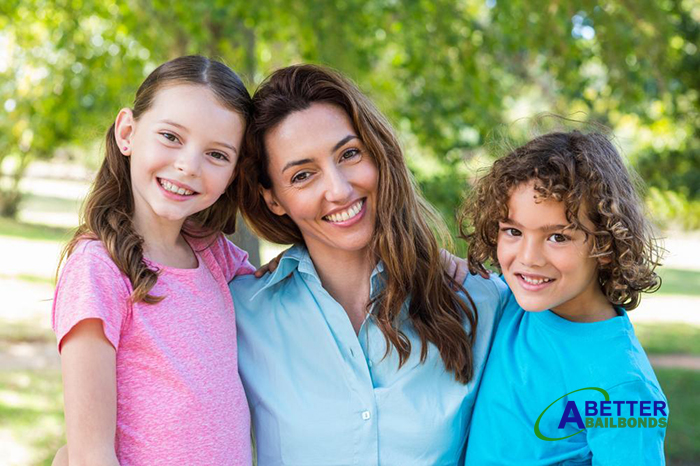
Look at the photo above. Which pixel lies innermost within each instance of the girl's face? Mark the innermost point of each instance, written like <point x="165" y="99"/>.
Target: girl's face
<point x="323" y="178"/>
<point x="546" y="265"/>
<point x="182" y="153"/>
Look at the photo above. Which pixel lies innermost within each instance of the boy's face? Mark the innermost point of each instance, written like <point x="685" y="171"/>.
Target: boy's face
<point x="546" y="265"/>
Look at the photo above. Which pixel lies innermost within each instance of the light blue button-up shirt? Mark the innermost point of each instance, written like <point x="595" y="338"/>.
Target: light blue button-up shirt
<point x="321" y="395"/>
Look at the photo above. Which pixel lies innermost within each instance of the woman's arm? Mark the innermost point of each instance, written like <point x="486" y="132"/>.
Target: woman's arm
<point x="88" y="363"/>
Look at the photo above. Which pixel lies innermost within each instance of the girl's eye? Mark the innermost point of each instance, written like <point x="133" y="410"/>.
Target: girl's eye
<point x="169" y="136"/>
<point x="349" y="154"/>
<point x="511" y="231"/>
<point x="558" y="238"/>
<point x="219" y="156"/>
<point x="301" y="176"/>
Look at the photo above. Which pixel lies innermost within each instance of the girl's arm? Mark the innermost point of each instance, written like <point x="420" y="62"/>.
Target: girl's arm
<point x="88" y="364"/>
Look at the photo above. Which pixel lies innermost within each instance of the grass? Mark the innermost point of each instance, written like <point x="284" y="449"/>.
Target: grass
<point x="31" y="408"/>
<point x="17" y="229"/>
<point x="681" y="388"/>
<point x="669" y="338"/>
<point x="679" y="282"/>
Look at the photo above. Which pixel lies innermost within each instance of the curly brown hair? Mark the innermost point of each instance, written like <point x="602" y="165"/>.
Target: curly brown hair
<point x="584" y="171"/>
<point x="405" y="232"/>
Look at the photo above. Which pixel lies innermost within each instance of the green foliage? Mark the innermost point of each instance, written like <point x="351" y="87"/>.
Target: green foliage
<point x="673" y="209"/>
<point x="681" y="388"/>
<point x="668" y="338"/>
<point x="445" y="72"/>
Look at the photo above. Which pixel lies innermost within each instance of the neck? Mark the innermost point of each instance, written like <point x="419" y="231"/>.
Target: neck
<point x="163" y="243"/>
<point x="346" y="277"/>
<point x="596" y="310"/>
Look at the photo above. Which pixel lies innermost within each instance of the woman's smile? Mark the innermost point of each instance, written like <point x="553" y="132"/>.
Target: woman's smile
<point x="323" y="178"/>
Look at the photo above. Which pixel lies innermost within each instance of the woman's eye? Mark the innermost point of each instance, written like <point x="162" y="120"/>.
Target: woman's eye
<point x="558" y="238"/>
<point x="349" y="154"/>
<point x="219" y="156"/>
<point x="301" y="176"/>
<point x="169" y="136"/>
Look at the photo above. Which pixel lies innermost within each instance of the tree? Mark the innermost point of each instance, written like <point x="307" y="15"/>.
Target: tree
<point x="446" y="72"/>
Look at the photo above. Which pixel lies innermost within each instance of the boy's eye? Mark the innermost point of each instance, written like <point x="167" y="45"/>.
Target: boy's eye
<point x="558" y="238"/>
<point x="511" y="231"/>
<point x="301" y="176"/>
<point x="169" y="136"/>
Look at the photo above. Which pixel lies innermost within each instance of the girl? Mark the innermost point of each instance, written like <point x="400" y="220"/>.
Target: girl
<point x="144" y="321"/>
<point x="560" y="217"/>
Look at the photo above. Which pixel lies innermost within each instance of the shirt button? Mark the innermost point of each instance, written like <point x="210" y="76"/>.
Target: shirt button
<point x="369" y="363"/>
<point x="366" y="415"/>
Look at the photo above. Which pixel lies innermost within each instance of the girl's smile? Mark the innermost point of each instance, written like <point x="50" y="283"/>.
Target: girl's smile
<point x="182" y="151"/>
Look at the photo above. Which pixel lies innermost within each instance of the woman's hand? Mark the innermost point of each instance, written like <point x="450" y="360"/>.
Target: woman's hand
<point x="457" y="267"/>
<point x="270" y="266"/>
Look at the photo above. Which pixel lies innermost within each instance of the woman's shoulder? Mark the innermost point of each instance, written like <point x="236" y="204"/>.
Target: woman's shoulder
<point x="487" y="290"/>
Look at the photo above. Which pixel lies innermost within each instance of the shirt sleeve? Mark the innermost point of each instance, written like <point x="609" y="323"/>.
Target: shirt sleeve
<point x="90" y="286"/>
<point x="630" y="445"/>
<point x="233" y="260"/>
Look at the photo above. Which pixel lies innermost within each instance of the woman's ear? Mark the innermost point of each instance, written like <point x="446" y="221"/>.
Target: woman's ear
<point x="124" y="130"/>
<point x="272" y="203"/>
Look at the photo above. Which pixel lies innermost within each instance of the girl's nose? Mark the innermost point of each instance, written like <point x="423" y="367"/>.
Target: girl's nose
<point x="188" y="162"/>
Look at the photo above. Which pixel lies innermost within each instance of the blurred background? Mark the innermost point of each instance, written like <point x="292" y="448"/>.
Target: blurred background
<point x="457" y="78"/>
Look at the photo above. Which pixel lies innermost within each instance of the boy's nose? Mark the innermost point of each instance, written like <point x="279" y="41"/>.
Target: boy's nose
<point x="530" y="254"/>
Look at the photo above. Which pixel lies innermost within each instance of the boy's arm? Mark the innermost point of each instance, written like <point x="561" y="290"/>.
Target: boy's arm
<point x="630" y="445"/>
<point x="88" y="364"/>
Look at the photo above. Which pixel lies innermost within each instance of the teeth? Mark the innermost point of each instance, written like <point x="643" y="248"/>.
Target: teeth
<point x="347" y="214"/>
<point x="168" y="186"/>
<point x="535" y="281"/>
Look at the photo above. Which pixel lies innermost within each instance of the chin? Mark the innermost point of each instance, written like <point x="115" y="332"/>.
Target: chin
<point x="531" y="306"/>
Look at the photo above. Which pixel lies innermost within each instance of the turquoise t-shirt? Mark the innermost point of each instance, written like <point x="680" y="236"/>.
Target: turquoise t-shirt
<point x="536" y="359"/>
<point x="321" y="395"/>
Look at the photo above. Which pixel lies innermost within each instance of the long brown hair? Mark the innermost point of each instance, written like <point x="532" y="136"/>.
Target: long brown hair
<point x="402" y="239"/>
<point x="584" y="171"/>
<point x="109" y="207"/>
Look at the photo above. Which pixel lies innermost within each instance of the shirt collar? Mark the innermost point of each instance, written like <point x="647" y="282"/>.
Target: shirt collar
<point x="297" y="258"/>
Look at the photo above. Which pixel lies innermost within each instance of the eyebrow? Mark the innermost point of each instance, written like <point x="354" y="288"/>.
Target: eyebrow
<point x="338" y="145"/>
<point x="343" y="141"/>
<point x="218" y="143"/>
<point x="545" y="228"/>
<point x="170" y="122"/>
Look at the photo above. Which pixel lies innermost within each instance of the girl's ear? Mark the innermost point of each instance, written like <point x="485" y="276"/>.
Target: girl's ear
<point x="272" y="203"/>
<point x="124" y="130"/>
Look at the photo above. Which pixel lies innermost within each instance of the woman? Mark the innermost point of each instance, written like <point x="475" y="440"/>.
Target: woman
<point x="357" y="349"/>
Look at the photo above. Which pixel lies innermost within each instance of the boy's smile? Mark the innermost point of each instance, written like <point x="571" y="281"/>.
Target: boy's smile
<point x="546" y="263"/>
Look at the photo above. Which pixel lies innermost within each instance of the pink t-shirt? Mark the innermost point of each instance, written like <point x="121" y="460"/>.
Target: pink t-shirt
<point x="179" y="396"/>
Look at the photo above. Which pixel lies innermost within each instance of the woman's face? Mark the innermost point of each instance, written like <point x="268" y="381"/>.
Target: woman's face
<point x="323" y="178"/>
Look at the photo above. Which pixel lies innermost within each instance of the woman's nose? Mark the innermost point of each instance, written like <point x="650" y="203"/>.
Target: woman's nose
<point x="338" y="187"/>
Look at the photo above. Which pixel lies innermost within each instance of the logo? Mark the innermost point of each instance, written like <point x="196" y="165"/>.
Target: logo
<point x="606" y="414"/>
